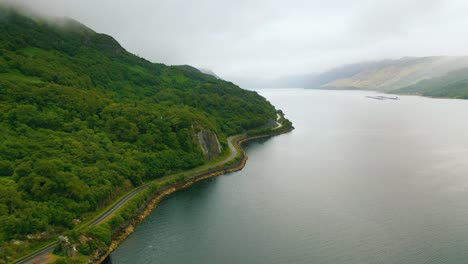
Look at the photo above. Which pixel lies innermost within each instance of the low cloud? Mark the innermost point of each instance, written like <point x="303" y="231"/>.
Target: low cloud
<point x="266" y="39"/>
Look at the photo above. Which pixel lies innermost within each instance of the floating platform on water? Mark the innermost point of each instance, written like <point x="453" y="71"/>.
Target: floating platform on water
<point x="380" y="97"/>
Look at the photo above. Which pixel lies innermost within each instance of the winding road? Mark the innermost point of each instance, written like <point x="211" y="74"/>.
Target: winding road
<point x="42" y="256"/>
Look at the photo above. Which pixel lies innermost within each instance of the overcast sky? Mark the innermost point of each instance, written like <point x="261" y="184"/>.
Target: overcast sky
<point x="241" y="39"/>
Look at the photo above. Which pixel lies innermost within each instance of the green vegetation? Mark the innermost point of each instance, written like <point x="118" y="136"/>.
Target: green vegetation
<point x="452" y="85"/>
<point x="83" y="121"/>
<point x="441" y="76"/>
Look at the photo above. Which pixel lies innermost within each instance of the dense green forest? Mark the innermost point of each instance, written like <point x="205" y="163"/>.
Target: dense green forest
<point x="82" y="121"/>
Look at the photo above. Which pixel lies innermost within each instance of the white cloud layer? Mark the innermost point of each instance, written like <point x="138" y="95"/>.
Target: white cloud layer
<point x="266" y="39"/>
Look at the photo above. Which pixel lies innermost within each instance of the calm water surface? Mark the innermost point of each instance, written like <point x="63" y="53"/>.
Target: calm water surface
<point x="359" y="181"/>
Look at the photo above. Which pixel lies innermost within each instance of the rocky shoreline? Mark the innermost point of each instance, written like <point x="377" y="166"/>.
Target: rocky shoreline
<point x="122" y="233"/>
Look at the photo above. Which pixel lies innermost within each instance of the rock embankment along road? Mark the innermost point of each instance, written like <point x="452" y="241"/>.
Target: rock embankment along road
<point x="42" y="256"/>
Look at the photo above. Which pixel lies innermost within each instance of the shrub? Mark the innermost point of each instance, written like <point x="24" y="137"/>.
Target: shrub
<point x="101" y="232"/>
<point x="6" y="168"/>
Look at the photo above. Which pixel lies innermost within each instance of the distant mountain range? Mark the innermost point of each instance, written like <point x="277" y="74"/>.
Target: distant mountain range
<point x="442" y="76"/>
<point x="388" y="75"/>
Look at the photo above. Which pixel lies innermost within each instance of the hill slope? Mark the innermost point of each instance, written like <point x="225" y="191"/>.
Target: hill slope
<point x="453" y="85"/>
<point x="388" y="75"/>
<point x="82" y="121"/>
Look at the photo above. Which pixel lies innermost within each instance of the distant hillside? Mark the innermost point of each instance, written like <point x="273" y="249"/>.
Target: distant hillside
<point x="388" y="75"/>
<point x="383" y="75"/>
<point x="442" y="76"/>
<point x="453" y="85"/>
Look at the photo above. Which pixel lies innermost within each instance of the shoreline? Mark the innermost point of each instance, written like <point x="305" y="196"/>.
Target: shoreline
<point x="122" y="233"/>
<point x="383" y="92"/>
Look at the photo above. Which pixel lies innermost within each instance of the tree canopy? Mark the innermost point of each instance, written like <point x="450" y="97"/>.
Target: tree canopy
<point x="82" y="120"/>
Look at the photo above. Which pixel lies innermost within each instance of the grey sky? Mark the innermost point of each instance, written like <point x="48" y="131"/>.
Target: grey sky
<point x="267" y="39"/>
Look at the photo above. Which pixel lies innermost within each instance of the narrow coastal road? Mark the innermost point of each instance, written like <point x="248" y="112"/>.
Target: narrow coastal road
<point x="119" y="204"/>
<point x="278" y="124"/>
<point x="42" y="256"/>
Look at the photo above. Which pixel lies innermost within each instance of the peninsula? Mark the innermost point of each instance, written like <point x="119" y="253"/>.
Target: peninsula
<point x="90" y="133"/>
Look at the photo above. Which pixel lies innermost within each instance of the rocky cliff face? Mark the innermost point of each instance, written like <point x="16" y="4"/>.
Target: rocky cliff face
<point x="209" y="143"/>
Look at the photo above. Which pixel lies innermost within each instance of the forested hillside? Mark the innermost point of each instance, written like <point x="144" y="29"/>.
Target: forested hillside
<point x="82" y="121"/>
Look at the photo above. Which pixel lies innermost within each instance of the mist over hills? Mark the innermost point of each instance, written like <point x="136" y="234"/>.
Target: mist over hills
<point x="209" y="72"/>
<point x="83" y="121"/>
<point x="292" y="81"/>
<point x="441" y="76"/>
<point x="388" y="75"/>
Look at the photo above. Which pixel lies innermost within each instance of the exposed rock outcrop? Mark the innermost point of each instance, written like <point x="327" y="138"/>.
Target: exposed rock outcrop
<point x="128" y="228"/>
<point x="67" y="247"/>
<point x="209" y="143"/>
